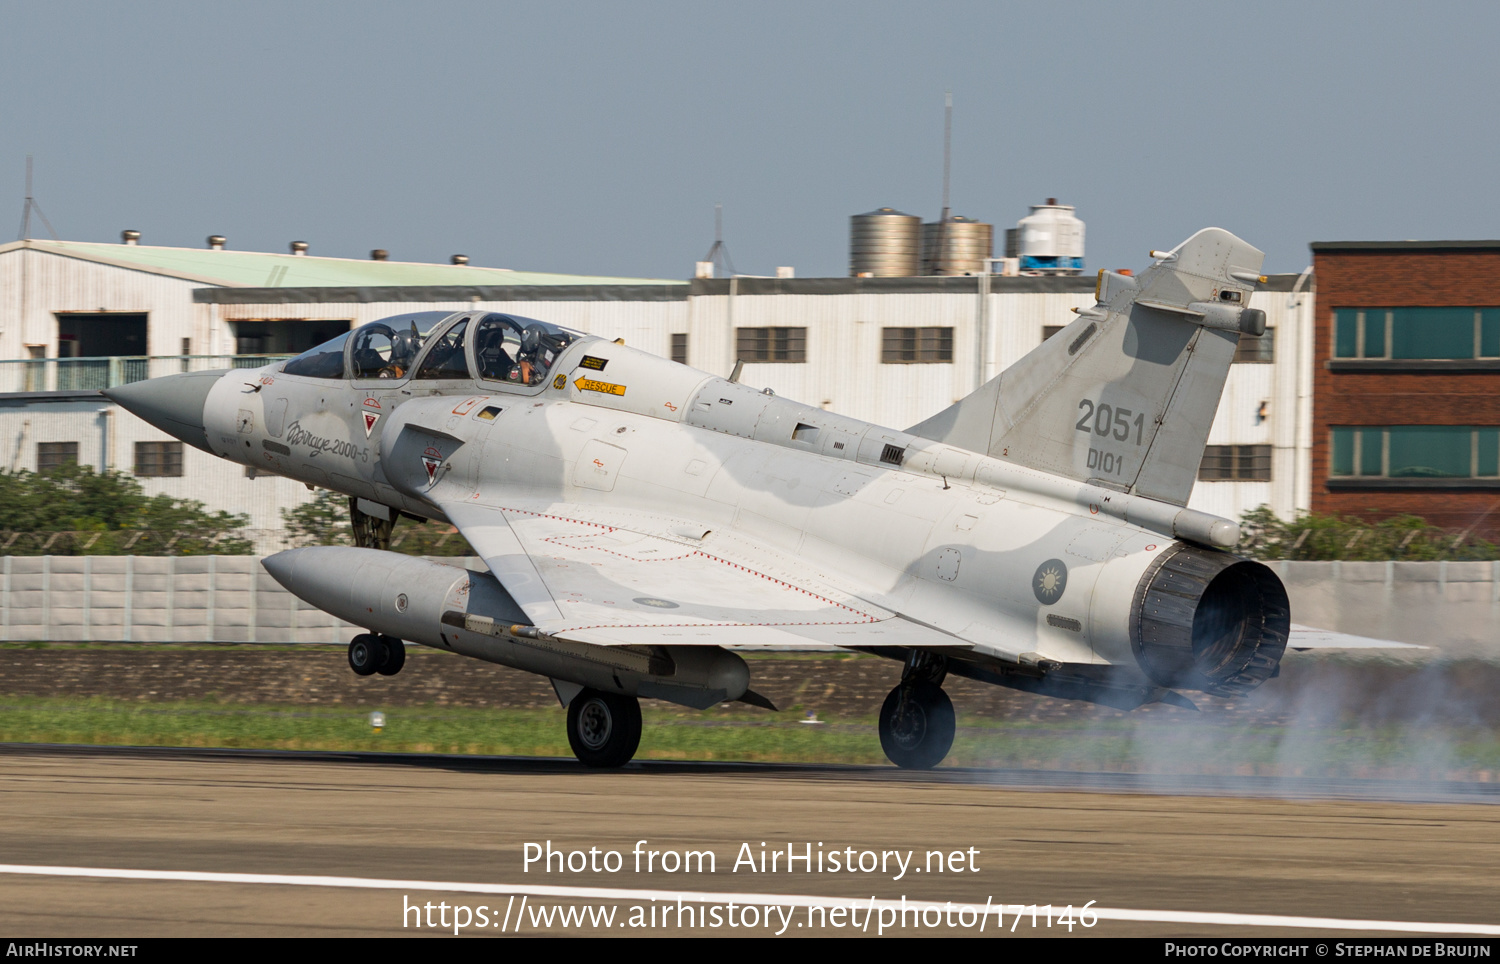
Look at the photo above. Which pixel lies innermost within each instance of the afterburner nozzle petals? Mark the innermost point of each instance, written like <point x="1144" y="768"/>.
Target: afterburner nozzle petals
<point x="172" y="403"/>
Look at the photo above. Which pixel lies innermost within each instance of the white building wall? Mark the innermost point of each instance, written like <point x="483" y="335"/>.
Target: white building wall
<point x="36" y="286"/>
<point x="1285" y="387"/>
<point x="843" y="371"/>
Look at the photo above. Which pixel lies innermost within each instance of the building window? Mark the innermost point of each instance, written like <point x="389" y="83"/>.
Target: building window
<point x="679" y="348"/>
<point x="290" y="336"/>
<point x="771" y="344"/>
<point x="158" y="459"/>
<point x="54" y="455"/>
<point x="1253" y="349"/>
<point x="1416" y="333"/>
<point x="905" y="346"/>
<point x="1049" y="330"/>
<point x="1415" y="452"/>
<point x="1236" y="463"/>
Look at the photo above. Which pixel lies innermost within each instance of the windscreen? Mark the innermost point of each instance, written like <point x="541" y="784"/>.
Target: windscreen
<point x="381" y="349"/>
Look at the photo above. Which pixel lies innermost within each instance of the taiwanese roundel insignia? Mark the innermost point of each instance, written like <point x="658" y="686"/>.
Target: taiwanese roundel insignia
<point x="431" y="460"/>
<point x="1049" y="582"/>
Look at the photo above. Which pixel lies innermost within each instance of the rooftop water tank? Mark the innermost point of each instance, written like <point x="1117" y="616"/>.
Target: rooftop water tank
<point x="884" y="244"/>
<point x="957" y="246"/>
<point x="1050" y="240"/>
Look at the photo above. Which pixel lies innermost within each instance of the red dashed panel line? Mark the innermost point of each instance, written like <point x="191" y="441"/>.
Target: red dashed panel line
<point x="704" y="625"/>
<point x="559" y="518"/>
<point x="865" y="618"/>
<point x="733" y="565"/>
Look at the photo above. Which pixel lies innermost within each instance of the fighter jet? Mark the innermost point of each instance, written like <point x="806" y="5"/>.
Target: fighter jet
<point x="641" y="520"/>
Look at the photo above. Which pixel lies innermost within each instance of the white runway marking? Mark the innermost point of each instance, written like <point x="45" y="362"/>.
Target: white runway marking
<point x="782" y="900"/>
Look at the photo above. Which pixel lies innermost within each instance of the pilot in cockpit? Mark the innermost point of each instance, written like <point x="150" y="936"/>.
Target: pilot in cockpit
<point x="494" y="361"/>
<point x="404" y="348"/>
<point x="535" y="357"/>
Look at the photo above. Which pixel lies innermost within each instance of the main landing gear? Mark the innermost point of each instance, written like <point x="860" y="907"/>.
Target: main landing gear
<point x="370" y="654"/>
<point x="917" y="721"/>
<point x="604" y="729"/>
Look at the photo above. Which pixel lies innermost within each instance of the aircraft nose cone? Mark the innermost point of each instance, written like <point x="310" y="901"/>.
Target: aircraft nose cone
<point x="173" y="403"/>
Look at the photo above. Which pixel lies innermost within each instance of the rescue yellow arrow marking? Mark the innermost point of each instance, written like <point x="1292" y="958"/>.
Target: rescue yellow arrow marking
<point x="589" y="385"/>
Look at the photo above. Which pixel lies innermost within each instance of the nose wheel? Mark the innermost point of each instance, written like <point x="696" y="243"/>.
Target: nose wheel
<point x="604" y="729"/>
<point x="917" y="725"/>
<point x="370" y="654"/>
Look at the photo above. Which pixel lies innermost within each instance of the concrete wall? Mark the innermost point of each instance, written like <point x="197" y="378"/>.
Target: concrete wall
<point x="1453" y="606"/>
<point x="155" y="599"/>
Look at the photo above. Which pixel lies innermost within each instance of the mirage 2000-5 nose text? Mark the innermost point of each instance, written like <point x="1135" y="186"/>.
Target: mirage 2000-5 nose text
<point x="640" y="519"/>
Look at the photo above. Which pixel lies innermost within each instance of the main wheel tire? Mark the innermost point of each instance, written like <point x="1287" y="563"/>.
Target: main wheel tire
<point x="366" y="654"/>
<point x="923" y="733"/>
<point x="604" y="729"/>
<point x="395" y="656"/>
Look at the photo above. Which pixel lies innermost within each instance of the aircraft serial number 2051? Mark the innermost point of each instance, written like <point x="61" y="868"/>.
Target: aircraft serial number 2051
<point x="1106" y="421"/>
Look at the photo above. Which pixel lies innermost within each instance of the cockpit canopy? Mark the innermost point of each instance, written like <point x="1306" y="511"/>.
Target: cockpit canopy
<point x="510" y="348"/>
<point x="442" y="345"/>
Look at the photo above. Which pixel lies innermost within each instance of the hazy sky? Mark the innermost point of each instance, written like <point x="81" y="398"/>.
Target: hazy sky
<point x="596" y="137"/>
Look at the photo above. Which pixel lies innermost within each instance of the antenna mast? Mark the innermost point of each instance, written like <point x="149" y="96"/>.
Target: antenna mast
<point x="718" y="254"/>
<point x="29" y="207"/>
<point x="938" y="257"/>
<point x="947" y="147"/>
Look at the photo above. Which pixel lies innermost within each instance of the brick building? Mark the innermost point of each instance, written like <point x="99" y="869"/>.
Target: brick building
<point x="1406" y="381"/>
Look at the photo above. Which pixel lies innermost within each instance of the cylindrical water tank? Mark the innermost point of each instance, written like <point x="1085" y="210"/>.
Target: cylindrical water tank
<point x="1051" y="240"/>
<point x="885" y="244"/>
<point x="956" y="246"/>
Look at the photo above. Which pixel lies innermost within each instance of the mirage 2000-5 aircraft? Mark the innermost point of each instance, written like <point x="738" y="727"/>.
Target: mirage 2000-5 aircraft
<point x="641" y="519"/>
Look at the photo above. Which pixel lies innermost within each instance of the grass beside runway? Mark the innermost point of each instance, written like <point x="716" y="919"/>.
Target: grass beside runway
<point x="1184" y="746"/>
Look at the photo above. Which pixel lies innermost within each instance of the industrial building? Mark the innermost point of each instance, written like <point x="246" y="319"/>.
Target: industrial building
<point x="1407" y="382"/>
<point x="79" y="316"/>
<point x="893" y="350"/>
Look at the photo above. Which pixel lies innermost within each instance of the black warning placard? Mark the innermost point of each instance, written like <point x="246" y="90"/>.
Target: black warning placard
<point x="593" y="364"/>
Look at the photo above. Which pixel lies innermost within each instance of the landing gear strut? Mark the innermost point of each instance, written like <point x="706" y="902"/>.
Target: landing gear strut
<point x="917" y="721"/>
<point x="370" y="654"/>
<point x="370" y="531"/>
<point x="604" y="729"/>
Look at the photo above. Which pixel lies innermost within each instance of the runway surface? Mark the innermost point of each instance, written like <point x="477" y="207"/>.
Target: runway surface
<point x="462" y="821"/>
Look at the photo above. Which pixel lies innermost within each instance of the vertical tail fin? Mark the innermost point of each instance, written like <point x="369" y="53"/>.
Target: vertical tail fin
<point x="1125" y="395"/>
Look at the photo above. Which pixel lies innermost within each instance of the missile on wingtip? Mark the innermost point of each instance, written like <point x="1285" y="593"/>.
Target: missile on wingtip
<point x="469" y="612"/>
